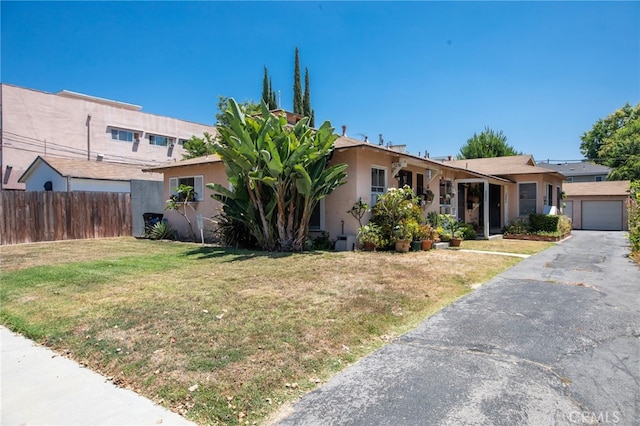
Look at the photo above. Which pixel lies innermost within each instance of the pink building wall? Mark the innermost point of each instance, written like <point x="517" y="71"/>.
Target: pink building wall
<point x="78" y="126"/>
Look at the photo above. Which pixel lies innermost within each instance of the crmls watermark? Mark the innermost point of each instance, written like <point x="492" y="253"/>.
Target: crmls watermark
<point x="603" y="417"/>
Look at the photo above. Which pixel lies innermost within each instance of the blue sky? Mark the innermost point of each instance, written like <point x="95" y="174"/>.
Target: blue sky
<point x="425" y="74"/>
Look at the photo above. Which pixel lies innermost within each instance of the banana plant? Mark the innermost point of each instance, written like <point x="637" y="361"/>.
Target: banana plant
<point x="278" y="173"/>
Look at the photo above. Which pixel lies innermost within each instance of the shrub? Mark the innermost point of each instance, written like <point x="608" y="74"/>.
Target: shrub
<point x="518" y="226"/>
<point x="321" y="242"/>
<point x="543" y="223"/>
<point x="633" y="207"/>
<point x="396" y="212"/>
<point x="161" y="231"/>
<point x="468" y="231"/>
<point x="564" y="225"/>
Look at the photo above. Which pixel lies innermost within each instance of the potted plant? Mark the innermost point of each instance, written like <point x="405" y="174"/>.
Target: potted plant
<point x="369" y="237"/>
<point x="425" y="233"/>
<point x="455" y="229"/>
<point x="403" y="234"/>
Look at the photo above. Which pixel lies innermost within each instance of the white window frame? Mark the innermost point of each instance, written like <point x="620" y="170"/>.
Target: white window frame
<point x="198" y="185"/>
<point x="118" y="132"/>
<point x="169" y="140"/>
<point x="536" y="198"/>
<point x="377" y="192"/>
<point x="548" y="189"/>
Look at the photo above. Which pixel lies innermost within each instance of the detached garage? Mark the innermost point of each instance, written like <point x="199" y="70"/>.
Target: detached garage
<point x="599" y="206"/>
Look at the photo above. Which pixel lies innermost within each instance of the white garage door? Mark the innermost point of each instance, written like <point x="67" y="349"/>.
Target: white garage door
<point x="602" y="215"/>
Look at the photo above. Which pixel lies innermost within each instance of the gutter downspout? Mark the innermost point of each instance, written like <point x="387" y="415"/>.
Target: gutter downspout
<point x="89" y="137"/>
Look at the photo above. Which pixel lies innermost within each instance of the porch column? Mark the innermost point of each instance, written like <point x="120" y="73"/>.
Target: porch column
<point x="485" y="207"/>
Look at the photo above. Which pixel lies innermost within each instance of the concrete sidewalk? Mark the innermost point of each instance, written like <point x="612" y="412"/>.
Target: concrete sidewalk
<point x="553" y="340"/>
<point x="40" y="387"/>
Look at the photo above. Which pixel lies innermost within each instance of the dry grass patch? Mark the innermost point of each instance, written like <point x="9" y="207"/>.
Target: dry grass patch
<point x="225" y="336"/>
<point x="507" y="246"/>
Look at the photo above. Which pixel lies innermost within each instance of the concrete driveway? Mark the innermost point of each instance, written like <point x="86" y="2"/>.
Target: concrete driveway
<point x="554" y="340"/>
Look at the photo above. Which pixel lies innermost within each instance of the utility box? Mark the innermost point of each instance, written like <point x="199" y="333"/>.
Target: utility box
<point x="345" y="242"/>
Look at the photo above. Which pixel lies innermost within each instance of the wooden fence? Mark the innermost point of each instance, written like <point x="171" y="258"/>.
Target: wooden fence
<point x="30" y="216"/>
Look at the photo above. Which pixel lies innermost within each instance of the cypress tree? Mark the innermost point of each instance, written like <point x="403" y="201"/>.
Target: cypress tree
<point x="297" y="87"/>
<point x="306" y="102"/>
<point x="266" y="85"/>
<point x="273" y="104"/>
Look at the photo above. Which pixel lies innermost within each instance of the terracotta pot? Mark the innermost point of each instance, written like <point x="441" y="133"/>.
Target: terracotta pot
<point x="426" y="244"/>
<point x="369" y="247"/>
<point x="403" y="246"/>
<point x="455" y="242"/>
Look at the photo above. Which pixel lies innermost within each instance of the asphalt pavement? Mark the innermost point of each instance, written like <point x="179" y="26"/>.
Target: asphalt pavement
<point x="555" y="340"/>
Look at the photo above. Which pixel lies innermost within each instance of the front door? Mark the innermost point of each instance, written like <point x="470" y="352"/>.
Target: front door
<point x="494" y="206"/>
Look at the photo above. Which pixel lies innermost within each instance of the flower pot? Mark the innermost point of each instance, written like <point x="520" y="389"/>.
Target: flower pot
<point x="455" y="242"/>
<point x="369" y="246"/>
<point x="415" y="245"/>
<point x="426" y="244"/>
<point x="403" y="246"/>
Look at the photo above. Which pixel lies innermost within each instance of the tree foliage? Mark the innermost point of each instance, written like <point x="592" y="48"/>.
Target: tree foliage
<point x="297" y="87"/>
<point x="248" y="107"/>
<point x="268" y="94"/>
<point x="634" y="219"/>
<point x="306" y="102"/>
<point x="198" y="147"/>
<point x="487" y="144"/>
<point x="615" y="142"/>
<point x="278" y="174"/>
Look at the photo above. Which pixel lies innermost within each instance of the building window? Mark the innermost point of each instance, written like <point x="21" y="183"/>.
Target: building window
<point x="122" y="135"/>
<point x="160" y="140"/>
<point x="378" y="184"/>
<point x="570" y="179"/>
<point x="599" y="179"/>
<point x="316" y="219"/>
<point x="446" y="192"/>
<point x="419" y="184"/>
<point x="196" y="182"/>
<point x="527" y="198"/>
<point x="548" y="199"/>
<point x="405" y="177"/>
<point x="182" y="141"/>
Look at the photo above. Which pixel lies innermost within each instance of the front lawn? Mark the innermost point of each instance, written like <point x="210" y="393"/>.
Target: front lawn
<point x="224" y="336"/>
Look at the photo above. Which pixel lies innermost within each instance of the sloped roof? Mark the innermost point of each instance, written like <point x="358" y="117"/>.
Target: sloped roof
<point x="609" y="187"/>
<point x="502" y="166"/>
<point x="206" y="159"/>
<point x="344" y="142"/>
<point x="84" y="169"/>
<point x="577" y="169"/>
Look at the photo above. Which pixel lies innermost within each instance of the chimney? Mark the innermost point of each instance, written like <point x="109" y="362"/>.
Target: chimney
<point x="380" y="140"/>
<point x="344" y="130"/>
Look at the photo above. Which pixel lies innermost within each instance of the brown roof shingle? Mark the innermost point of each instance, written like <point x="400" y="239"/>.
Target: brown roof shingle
<point x="501" y="166"/>
<point x="79" y="168"/>
<point x="610" y="187"/>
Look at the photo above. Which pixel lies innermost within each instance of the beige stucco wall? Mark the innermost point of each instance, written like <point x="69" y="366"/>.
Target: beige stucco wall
<point x="208" y="207"/>
<point x="39" y="123"/>
<point x="540" y="180"/>
<point x="360" y="161"/>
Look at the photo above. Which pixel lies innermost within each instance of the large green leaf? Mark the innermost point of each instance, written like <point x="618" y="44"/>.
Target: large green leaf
<point x="303" y="180"/>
